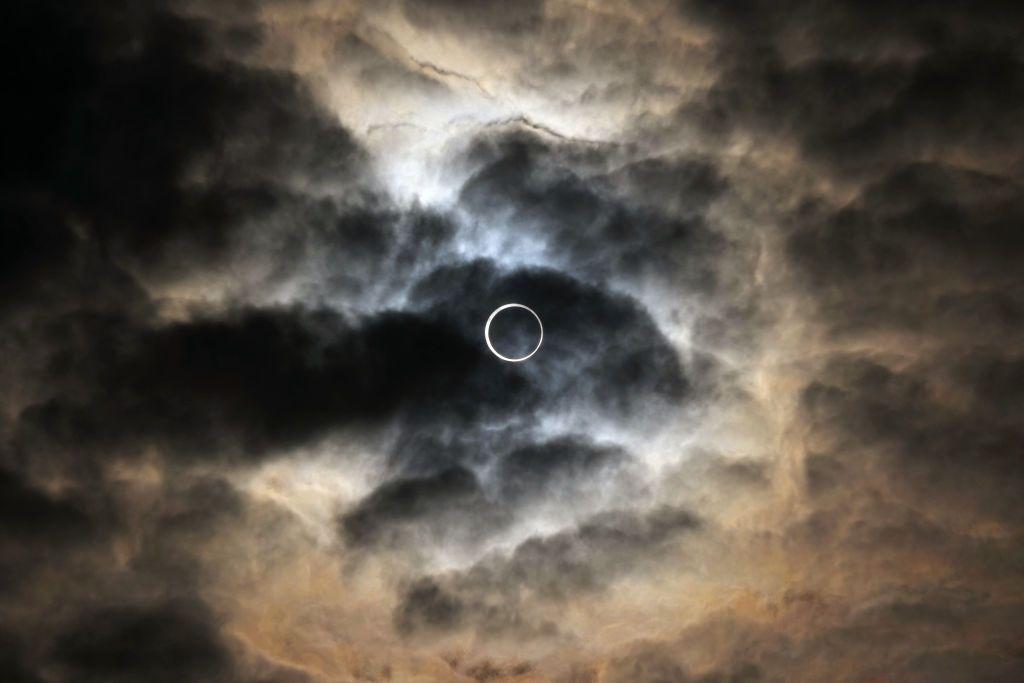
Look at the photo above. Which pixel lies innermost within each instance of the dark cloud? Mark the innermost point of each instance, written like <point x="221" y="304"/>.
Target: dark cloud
<point x="30" y="514"/>
<point x="655" y="666"/>
<point x="426" y="606"/>
<point x="565" y="467"/>
<point x="940" y="451"/>
<point x="508" y="595"/>
<point x="141" y="145"/>
<point x="913" y="249"/>
<point x="36" y="525"/>
<point x="489" y="15"/>
<point x="191" y="512"/>
<point x="487" y="671"/>
<point x="857" y="27"/>
<point x="167" y="174"/>
<point x="242" y="385"/>
<point x="255" y="380"/>
<point x="643" y="221"/>
<point x="436" y="500"/>
<point x="50" y="266"/>
<point x="905" y="258"/>
<point x="863" y="85"/>
<point x="906" y="637"/>
<point x="375" y="68"/>
<point x="600" y="348"/>
<point x="12" y="661"/>
<point x="172" y="641"/>
<point x="928" y="251"/>
<point x="154" y="151"/>
<point x="602" y="354"/>
<point x="449" y="503"/>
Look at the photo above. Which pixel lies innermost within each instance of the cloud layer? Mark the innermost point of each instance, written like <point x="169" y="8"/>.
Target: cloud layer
<point x="250" y="429"/>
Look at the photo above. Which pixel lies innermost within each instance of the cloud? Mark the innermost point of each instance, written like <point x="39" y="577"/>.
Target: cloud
<point x="507" y="595"/>
<point x="245" y="384"/>
<point x="913" y="249"/>
<point x="165" y="641"/>
<point x="645" y="220"/>
<point x="172" y="641"/>
<point x="863" y="87"/>
<point x="566" y="467"/>
<point x="610" y="336"/>
<point x="488" y="15"/>
<point x="653" y="666"/>
<point x="400" y="511"/>
<point x="249" y="429"/>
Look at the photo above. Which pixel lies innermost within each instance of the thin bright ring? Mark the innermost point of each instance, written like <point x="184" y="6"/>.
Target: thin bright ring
<point x="487" y="332"/>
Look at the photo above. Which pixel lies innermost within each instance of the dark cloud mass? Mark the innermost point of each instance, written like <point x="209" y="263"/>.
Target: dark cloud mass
<point x="250" y="430"/>
<point x="171" y="641"/>
<point x="245" y="384"/>
<point x="491" y="596"/>
<point x="657" y="230"/>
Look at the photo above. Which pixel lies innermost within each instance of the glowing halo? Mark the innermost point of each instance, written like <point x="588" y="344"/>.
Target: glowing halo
<point x="487" y="332"/>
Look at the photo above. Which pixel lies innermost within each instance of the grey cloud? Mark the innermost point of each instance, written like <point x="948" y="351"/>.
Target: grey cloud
<point x="645" y="220"/>
<point x="652" y="665"/>
<point x="565" y="467"/>
<point x="436" y="499"/>
<point x="167" y="641"/>
<point x="606" y="351"/>
<point x="489" y="15"/>
<point x="413" y="510"/>
<point x="381" y="71"/>
<point x="863" y="86"/>
<point x="933" y="449"/>
<point x="904" y="636"/>
<point x="507" y="595"/>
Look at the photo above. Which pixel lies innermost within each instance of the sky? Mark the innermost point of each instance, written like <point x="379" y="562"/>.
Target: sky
<point x="250" y="429"/>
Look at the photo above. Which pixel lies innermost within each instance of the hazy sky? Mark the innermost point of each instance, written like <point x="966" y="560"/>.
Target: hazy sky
<point x="250" y="430"/>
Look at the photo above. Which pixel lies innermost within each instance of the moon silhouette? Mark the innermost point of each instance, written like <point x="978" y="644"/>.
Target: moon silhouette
<point x="487" y="332"/>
